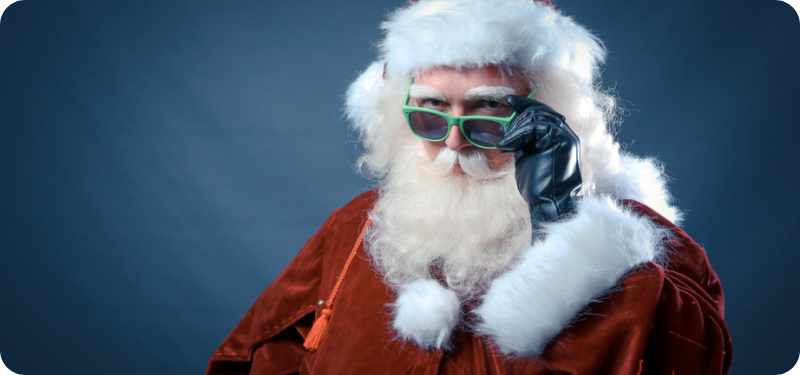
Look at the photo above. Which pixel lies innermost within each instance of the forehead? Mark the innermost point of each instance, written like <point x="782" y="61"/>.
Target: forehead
<point x="448" y="79"/>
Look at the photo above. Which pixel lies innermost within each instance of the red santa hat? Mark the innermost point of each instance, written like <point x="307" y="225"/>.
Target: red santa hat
<point x="526" y="34"/>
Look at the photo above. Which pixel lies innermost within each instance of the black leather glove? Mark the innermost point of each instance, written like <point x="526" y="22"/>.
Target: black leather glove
<point x="547" y="157"/>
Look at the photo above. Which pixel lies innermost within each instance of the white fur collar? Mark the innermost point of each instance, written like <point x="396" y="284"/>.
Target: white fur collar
<point x="579" y="260"/>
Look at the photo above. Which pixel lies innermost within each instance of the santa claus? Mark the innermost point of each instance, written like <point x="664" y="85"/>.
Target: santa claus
<point x="508" y="233"/>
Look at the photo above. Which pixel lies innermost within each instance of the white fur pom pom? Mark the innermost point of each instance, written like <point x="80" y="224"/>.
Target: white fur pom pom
<point x="579" y="260"/>
<point x="426" y="313"/>
<point x="361" y="95"/>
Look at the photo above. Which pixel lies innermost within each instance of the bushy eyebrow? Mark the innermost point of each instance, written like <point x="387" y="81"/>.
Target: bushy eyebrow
<point x="497" y="93"/>
<point x="419" y="90"/>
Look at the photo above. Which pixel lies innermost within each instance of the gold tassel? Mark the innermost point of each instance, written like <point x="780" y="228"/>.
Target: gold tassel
<point x="317" y="330"/>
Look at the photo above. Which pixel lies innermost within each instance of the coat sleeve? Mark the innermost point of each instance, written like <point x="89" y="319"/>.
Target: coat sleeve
<point x="663" y="319"/>
<point x="689" y="334"/>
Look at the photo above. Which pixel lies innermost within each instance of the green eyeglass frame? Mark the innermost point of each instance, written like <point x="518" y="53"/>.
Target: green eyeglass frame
<point x="455" y="120"/>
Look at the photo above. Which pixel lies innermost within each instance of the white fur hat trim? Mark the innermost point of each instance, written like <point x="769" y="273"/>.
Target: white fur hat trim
<point x="469" y="33"/>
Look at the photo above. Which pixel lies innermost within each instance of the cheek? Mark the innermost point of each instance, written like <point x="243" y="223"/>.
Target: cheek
<point x="432" y="148"/>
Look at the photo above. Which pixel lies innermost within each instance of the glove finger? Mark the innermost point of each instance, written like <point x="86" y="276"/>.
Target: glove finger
<point x="511" y="138"/>
<point x="545" y="111"/>
<point x="515" y="141"/>
<point x="520" y="103"/>
<point x="517" y="138"/>
<point x="568" y="132"/>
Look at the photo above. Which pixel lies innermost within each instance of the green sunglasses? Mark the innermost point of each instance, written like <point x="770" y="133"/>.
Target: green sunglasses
<point x="432" y="125"/>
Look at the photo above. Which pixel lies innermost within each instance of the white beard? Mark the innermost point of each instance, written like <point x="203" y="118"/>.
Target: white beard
<point x="465" y="229"/>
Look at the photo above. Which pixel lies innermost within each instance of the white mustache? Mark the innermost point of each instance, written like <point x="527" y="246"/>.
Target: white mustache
<point x="474" y="163"/>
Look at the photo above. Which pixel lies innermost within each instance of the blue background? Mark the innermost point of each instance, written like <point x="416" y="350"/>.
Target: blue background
<point x="162" y="161"/>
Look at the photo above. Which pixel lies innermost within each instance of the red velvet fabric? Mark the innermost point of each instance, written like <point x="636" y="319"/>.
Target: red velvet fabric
<point x="659" y="321"/>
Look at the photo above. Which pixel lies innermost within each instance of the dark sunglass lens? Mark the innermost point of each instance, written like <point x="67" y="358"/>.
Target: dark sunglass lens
<point x="486" y="133"/>
<point x="428" y="125"/>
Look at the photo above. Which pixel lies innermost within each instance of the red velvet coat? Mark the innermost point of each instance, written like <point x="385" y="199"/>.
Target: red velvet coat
<point x="661" y="321"/>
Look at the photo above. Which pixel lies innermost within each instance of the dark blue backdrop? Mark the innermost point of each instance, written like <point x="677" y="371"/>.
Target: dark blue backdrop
<point x="161" y="162"/>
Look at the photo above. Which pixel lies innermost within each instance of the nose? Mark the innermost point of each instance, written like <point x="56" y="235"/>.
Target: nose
<point x="455" y="140"/>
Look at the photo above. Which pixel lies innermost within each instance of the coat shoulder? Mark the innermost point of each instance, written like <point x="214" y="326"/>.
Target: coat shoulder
<point x="295" y="292"/>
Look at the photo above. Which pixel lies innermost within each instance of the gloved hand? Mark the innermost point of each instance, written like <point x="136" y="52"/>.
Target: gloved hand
<point x="547" y="157"/>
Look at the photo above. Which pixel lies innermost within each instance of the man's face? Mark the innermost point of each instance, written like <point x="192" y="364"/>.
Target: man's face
<point x="477" y="91"/>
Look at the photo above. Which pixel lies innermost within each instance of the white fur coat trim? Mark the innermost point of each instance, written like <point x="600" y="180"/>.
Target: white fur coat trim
<point x="426" y="313"/>
<point x="579" y="260"/>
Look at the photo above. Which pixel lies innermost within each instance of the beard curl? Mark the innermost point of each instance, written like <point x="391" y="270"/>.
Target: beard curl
<point x="465" y="229"/>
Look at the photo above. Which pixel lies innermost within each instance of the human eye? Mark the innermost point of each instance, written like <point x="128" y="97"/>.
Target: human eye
<point x="492" y="107"/>
<point x="492" y="104"/>
<point x="431" y="103"/>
